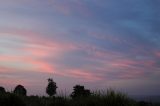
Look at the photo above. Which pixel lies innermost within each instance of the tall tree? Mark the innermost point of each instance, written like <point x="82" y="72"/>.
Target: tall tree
<point x="20" y="90"/>
<point x="51" y="88"/>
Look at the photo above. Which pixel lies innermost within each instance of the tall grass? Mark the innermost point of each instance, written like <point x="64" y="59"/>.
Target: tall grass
<point x="105" y="98"/>
<point x="98" y="98"/>
<point x="9" y="99"/>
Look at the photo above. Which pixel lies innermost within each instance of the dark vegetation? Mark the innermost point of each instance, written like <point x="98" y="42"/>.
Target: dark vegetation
<point x="79" y="97"/>
<point x="51" y="88"/>
<point x="20" y="90"/>
<point x="80" y="91"/>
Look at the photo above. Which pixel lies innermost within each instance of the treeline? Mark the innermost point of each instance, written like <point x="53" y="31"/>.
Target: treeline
<point x="79" y="97"/>
<point x="51" y="90"/>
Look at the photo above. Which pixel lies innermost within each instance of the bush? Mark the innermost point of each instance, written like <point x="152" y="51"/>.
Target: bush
<point x="2" y="90"/>
<point x="59" y="101"/>
<point x="80" y="91"/>
<point x="11" y="100"/>
<point x="20" y="90"/>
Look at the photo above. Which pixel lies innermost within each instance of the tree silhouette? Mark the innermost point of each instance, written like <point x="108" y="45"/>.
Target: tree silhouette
<point x="2" y="90"/>
<point x="51" y="88"/>
<point x="80" y="91"/>
<point x="20" y="90"/>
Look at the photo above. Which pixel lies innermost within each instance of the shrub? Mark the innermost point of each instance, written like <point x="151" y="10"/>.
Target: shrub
<point x="2" y="90"/>
<point x="11" y="100"/>
<point x="80" y="91"/>
<point x="20" y="90"/>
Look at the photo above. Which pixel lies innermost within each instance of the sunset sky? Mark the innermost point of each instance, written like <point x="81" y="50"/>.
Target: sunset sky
<point x="97" y="43"/>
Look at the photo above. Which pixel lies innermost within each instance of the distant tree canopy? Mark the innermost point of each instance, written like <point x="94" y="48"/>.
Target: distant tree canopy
<point x="80" y="91"/>
<point x="51" y="88"/>
<point x="20" y="90"/>
<point x="2" y="90"/>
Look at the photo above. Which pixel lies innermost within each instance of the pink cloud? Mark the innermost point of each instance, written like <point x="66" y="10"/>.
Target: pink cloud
<point x="80" y="74"/>
<point x="157" y="53"/>
<point x="71" y="7"/>
<point x="132" y="74"/>
<point x="123" y="63"/>
<point x="37" y="40"/>
<point x="83" y="74"/>
<point x="33" y="52"/>
<point x="36" y="50"/>
<point x="102" y="36"/>
<point x="28" y="63"/>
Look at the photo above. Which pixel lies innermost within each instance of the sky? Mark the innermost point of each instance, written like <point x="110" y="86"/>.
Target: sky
<point x="96" y="43"/>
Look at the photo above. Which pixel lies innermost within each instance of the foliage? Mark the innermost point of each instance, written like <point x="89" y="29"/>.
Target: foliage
<point x="80" y="97"/>
<point x="80" y="91"/>
<point x="2" y="90"/>
<point x="9" y="99"/>
<point x="20" y="90"/>
<point x="101" y="98"/>
<point x="51" y="88"/>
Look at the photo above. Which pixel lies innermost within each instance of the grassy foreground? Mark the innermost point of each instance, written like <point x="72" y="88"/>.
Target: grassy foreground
<point x="109" y="98"/>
